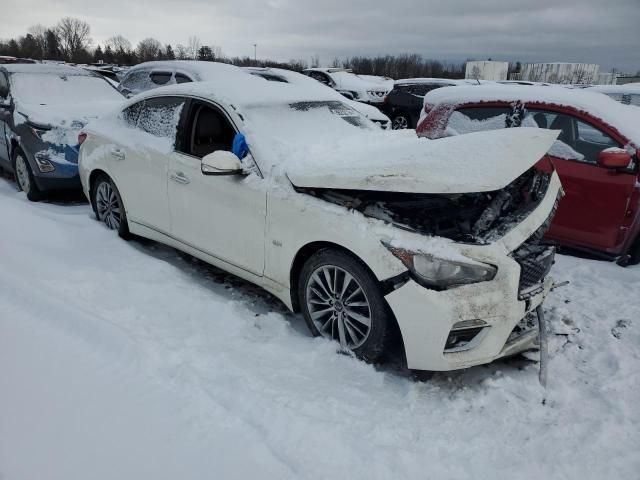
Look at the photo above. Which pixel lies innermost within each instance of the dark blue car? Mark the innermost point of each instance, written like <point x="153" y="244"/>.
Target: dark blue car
<point x="43" y="107"/>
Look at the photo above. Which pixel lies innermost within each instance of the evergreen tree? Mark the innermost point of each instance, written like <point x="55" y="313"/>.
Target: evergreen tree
<point x="168" y="54"/>
<point x="52" y="51"/>
<point x="98" y="54"/>
<point x="108" y="55"/>
<point x="205" y="53"/>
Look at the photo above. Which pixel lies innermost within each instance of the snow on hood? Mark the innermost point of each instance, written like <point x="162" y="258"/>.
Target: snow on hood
<point x="477" y="162"/>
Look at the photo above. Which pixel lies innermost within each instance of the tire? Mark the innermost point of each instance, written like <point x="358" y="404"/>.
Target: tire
<point x="108" y="206"/>
<point x="401" y="121"/>
<point x="338" y="297"/>
<point x="24" y="176"/>
<point x="634" y="253"/>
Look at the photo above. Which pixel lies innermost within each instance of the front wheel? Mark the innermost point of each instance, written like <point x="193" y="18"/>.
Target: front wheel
<point x="341" y="300"/>
<point x="24" y="176"/>
<point x="108" y="206"/>
<point x="401" y="122"/>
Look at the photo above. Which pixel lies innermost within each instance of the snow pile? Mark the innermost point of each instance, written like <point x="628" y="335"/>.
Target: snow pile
<point x="121" y="360"/>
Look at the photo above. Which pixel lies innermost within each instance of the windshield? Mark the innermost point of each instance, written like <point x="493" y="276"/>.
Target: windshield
<point x="48" y="89"/>
<point x="307" y="121"/>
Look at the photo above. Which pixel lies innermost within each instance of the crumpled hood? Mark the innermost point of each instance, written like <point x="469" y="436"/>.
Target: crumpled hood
<point x="477" y="162"/>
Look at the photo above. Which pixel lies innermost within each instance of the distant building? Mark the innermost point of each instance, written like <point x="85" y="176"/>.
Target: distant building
<point x="565" y="73"/>
<point x="487" y="70"/>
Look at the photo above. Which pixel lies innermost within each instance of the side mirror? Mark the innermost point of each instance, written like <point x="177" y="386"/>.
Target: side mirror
<point x="614" y="158"/>
<point x="221" y="162"/>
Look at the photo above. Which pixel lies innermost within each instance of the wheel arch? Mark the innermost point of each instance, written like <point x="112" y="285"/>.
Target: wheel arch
<point x="308" y="250"/>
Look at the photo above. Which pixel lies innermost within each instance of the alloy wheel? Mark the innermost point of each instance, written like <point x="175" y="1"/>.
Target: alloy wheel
<point x="108" y="205"/>
<point x="338" y="306"/>
<point x="400" y="123"/>
<point x="22" y="174"/>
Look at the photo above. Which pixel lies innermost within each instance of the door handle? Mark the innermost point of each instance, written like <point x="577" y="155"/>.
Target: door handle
<point x="179" y="177"/>
<point x="117" y="154"/>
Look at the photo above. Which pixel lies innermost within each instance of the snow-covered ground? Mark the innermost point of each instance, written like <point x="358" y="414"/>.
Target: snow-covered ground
<point x="124" y="360"/>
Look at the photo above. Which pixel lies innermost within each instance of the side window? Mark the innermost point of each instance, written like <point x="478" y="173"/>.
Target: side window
<point x="160" y="78"/>
<point x="4" y="86"/>
<point x="182" y="78"/>
<point x="160" y="116"/>
<point x="321" y="77"/>
<point x="136" y="82"/>
<point x="578" y="140"/>
<point x="209" y="130"/>
<point x="130" y="114"/>
<point x="477" y="119"/>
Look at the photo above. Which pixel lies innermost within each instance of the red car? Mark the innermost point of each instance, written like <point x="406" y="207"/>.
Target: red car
<point x="596" y="154"/>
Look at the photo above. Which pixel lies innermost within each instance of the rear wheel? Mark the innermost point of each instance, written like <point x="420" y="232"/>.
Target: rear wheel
<point x="24" y="176"/>
<point x="401" y="122"/>
<point x="341" y="300"/>
<point x="108" y="206"/>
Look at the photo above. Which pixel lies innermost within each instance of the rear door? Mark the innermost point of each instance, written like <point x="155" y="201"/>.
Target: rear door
<point x="139" y="163"/>
<point x="593" y="211"/>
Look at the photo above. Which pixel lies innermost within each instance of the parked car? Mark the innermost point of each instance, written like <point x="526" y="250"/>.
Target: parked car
<point x="186" y="71"/>
<point x="4" y="59"/>
<point x="403" y="103"/>
<point x="42" y="109"/>
<point x="626" y="94"/>
<point x="365" y="88"/>
<point x="288" y="76"/>
<point x="596" y="155"/>
<point x="367" y="232"/>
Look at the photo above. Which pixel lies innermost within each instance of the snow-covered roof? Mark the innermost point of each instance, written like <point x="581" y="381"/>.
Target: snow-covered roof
<point x="46" y="68"/>
<point x="624" y="118"/>
<point x="442" y="81"/>
<point x="203" y="70"/>
<point x="236" y="87"/>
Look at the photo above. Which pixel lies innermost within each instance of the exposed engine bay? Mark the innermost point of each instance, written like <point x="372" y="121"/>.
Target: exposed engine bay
<point x="469" y="218"/>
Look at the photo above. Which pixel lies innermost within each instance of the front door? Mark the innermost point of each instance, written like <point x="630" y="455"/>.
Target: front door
<point x="592" y="213"/>
<point x="223" y="216"/>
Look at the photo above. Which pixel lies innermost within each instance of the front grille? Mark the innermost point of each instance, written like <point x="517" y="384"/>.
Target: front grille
<point x="535" y="263"/>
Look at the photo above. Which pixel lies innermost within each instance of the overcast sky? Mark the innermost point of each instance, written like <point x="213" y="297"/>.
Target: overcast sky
<point x="599" y="31"/>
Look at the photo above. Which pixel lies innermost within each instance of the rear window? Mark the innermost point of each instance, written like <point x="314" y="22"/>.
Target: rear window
<point x="477" y="119"/>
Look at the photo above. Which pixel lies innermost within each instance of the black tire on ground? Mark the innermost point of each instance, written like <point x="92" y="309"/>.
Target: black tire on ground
<point x="377" y="342"/>
<point x="401" y="121"/>
<point x="109" y="211"/>
<point x="24" y="176"/>
<point x="634" y="253"/>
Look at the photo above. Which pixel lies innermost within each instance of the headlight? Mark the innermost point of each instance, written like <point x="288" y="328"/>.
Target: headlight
<point x="439" y="273"/>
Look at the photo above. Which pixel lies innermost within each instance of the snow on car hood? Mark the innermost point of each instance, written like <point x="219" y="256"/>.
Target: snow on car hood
<point x="477" y="162"/>
<point x="64" y="121"/>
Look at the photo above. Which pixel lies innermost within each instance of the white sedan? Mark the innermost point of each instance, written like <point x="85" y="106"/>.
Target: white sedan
<point x="370" y="234"/>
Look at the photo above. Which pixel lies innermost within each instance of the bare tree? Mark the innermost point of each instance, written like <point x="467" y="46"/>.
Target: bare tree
<point x="73" y="34"/>
<point x="149" y="49"/>
<point x="181" y="52"/>
<point x="118" y="42"/>
<point x="315" y="61"/>
<point x="194" y="47"/>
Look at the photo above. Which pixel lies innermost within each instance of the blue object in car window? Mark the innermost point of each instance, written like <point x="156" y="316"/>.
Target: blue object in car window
<point x="240" y="147"/>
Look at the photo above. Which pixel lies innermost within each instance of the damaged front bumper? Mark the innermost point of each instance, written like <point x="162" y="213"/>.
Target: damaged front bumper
<point x="481" y="322"/>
